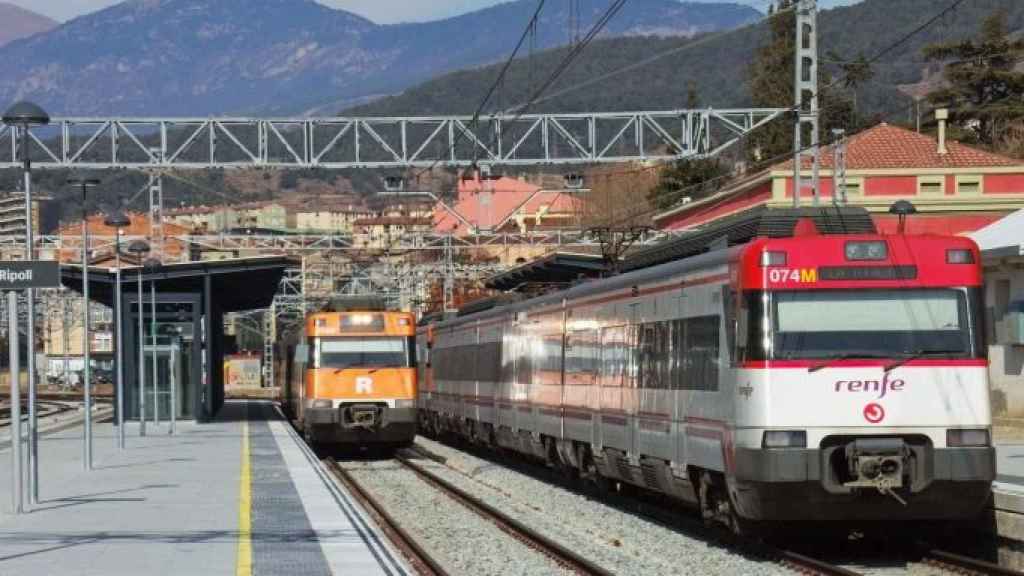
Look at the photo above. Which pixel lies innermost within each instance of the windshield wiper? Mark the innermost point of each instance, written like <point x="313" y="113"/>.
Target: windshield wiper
<point x="844" y="356"/>
<point x="909" y="355"/>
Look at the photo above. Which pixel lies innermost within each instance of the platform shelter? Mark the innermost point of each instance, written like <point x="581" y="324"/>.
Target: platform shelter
<point x="191" y="300"/>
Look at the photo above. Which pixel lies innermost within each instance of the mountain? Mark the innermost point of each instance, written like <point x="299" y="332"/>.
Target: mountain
<point x="716" y="64"/>
<point x="17" y="23"/>
<point x="201" y="57"/>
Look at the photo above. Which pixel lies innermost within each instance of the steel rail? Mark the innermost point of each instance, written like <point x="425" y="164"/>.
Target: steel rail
<point x="398" y="535"/>
<point x="514" y="527"/>
<point x="960" y="564"/>
<point x="794" y="561"/>
<point x="807" y="565"/>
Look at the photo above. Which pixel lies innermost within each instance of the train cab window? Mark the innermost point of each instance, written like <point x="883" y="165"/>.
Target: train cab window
<point x="362" y="352"/>
<point x="936" y="322"/>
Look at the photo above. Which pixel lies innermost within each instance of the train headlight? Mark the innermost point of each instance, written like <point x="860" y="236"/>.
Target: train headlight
<point x="405" y="403"/>
<point x="773" y="258"/>
<point x="874" y="250"/>
<point x="959" y="257"/>
<point x="785" y="439"/>
<point x="965" y="438"/>
<point x="322" y="403"/>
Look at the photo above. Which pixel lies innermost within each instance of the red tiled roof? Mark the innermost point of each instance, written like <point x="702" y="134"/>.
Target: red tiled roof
<point x="891" y="147"/>
<point x="508" y="194"/>
<point x="394" y="221"/>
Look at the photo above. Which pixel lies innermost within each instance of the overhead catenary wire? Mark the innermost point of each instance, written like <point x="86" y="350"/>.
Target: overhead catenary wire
<point x="885" y="50"/>
<point x="530" y="29"/>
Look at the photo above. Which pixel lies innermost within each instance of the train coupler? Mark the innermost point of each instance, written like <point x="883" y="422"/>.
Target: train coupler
<point x="878" y="463"/>
<point x="361" y="416"/>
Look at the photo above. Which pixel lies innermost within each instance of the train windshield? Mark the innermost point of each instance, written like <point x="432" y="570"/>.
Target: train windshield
<point x="871" y="323"/>
<point x="363" y="352"/>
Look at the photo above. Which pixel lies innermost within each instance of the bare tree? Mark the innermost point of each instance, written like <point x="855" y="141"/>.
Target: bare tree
<point x="616" y="211"/>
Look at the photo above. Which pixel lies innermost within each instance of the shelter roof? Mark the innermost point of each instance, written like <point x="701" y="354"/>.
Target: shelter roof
<point x="1004" y="235"/>
<point x="237" y="284"/>
<point x="556" y="268"/>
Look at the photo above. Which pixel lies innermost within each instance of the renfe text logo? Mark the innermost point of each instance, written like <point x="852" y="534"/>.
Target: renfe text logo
<point x="882" y="387"/>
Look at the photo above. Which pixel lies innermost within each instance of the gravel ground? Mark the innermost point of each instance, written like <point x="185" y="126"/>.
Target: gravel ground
<point x="621" y="542"/>
<point x="458" y="538"/>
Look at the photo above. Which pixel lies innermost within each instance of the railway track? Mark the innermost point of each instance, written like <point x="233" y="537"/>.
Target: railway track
<point x="959" y="564"/>
<point x="568" y="560"/>
<point x="46" y="408"/>
<point x="408" y="545"/>
<point x="932" y="561"/>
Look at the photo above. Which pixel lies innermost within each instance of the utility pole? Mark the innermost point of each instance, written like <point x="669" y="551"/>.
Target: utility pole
<point x="806" y="95"/>
<point x="156" y="206"/>
<point x="839" y="167"/>
<point x="448" y="304"/>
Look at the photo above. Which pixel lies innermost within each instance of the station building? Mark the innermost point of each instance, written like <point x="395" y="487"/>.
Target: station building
<point x="956" y="189"/>
<point x="1002" y="249"/>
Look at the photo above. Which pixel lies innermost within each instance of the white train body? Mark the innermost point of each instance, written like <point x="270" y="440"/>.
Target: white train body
<point x="801" y="387"/>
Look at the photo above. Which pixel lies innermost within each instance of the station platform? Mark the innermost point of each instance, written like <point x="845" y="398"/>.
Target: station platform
<point x="241" y="495"/>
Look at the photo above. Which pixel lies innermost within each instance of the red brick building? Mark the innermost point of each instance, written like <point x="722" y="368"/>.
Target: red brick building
<point x="956" y="188"/>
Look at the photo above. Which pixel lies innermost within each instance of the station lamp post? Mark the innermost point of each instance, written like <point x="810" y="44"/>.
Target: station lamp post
<point x="118" y="220"/>
<point x="140" y="248"/>
<point x="24" y="115"/>
<point x="85" y="184"/>
<point x="153" y="264"/>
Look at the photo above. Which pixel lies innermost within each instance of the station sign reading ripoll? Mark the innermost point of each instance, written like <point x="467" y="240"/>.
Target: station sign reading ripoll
<point x="19" y="275"/>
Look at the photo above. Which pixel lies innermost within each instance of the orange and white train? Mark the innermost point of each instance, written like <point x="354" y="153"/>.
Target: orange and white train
<point x="349" y="378"/>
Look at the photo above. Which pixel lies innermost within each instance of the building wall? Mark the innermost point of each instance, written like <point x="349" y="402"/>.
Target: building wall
<point x="242" y="372"/>
<point x="1006" y="361"/>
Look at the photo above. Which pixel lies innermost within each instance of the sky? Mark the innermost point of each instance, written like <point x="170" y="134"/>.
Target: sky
<point x="380" y="11"/>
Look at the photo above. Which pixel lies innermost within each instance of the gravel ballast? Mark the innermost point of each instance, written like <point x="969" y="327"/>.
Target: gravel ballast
<point x="619" y="541"/>
<point x="459" y="539"/>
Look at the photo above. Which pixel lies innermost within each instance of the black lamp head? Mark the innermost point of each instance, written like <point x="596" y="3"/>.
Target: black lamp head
<point x="26" y="113"/>
<point x="902" y="208"/>
<point x="117" y="219"/>
<point x="139" y="247"/>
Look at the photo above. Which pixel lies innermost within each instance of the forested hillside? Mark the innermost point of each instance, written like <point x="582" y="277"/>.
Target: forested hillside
<point x="717" y="64"/>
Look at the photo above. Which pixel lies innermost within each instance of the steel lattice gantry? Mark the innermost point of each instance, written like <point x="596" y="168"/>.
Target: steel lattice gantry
<point x="396" y="142"/>
<point x="316" y="243"/>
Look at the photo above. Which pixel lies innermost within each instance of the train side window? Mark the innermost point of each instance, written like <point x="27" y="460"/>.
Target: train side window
<point x="582" y="357"/>
<point x="488" y="362"/>
<point x="729" y="306"/>
<point x="613" y="356"/>
<point x="653" y="355"/>
<point x="678" y="352"/>
<point x="696" y="348"/>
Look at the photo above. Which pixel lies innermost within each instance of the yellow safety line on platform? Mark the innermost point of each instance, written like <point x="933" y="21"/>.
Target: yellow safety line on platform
<point x="243" y="565"/>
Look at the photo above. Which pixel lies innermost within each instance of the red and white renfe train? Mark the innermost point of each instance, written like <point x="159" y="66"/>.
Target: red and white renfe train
<point x="813" y="377"/>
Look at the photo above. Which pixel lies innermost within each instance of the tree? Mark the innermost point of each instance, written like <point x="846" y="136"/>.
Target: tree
<point x="770" y="82"/>
<point x="615" y="210"/>
<point x="690" y="178"/>
<point x="856" y="73"/>
<point x="984" y="92"/>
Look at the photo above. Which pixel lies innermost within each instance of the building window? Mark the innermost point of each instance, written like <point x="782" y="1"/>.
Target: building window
<point x="931" y="185"/>
<point x="968" y="184"/>
<point x="854" y="187"/>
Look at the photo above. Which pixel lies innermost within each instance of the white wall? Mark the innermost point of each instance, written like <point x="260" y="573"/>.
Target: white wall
<point x="1006" y="361"/>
